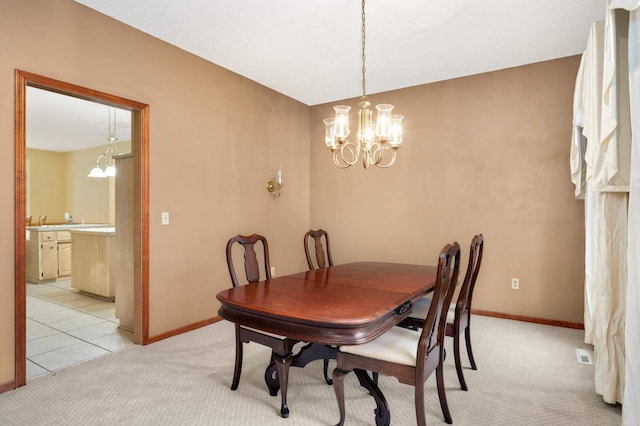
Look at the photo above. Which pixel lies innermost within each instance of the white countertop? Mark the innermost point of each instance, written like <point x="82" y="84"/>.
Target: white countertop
<point x="68" y="227"/>
<point x="110" y="230"/>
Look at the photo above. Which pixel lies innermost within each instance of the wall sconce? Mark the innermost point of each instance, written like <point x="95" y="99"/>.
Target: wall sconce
<point x="275" y="184"/>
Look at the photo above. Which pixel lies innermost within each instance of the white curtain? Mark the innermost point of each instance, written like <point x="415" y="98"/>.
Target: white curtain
<point x="610" y="177"/>
<point x="587" y="107"/>
<point x="631" y="399"/>
<point x="606" y="110"/>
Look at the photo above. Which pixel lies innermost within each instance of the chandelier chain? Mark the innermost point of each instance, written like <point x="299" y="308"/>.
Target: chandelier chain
<point x="364" y="68"/>
<point x="112" y="130"/>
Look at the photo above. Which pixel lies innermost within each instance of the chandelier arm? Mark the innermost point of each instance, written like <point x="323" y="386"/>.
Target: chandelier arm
<point x="366" y="161"/>
<point x="352" y="149"/>
<point x="391" y="161"/>
<point x="342" y="160"/>
<point x="101" y="157"/>
<point x="336" y="161"/>
<point x="367" y="157"/>
<point x="377" y="152"/>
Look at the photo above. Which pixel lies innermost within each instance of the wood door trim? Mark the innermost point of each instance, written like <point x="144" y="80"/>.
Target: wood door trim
<point x="19" y="232"/>
<point x="140" y="146"/>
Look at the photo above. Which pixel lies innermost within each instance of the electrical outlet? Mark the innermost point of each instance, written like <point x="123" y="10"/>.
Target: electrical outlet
<point x="165" y="218"/>
<point x="273" y="271"/>
<point x="515" y="284"/>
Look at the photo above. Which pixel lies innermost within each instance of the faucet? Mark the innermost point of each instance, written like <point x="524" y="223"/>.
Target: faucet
<point x="70" y="219"/>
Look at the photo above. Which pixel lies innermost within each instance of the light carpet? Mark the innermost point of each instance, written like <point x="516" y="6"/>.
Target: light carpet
<point x="527" y="375"/>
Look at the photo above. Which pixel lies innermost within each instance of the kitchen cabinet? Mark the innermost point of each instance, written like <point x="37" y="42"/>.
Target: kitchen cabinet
<point x="41" y="251"/>
<point x="92" y="260"/>
<point x="49" y="263"/>
<point x="64" y="253"/>
<point x="64" y="259"/>
<point x="48" y="252"/>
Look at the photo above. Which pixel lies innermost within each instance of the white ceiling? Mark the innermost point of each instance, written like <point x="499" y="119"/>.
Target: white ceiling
<point x="309" y="50"/>
<point x="63" y="123"/>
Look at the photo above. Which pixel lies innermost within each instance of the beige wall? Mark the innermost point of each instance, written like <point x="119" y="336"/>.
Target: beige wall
<point x="48" y="185"/>
<point x="487" y="153"/>
<point x="59" y="184"/>
<point x="215" y="139"/>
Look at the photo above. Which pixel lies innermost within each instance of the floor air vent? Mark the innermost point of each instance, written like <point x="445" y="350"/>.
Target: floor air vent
<point x="584" y="356"/>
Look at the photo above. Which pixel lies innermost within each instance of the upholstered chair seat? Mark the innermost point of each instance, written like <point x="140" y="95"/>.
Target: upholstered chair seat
<point x="398" y="345"/>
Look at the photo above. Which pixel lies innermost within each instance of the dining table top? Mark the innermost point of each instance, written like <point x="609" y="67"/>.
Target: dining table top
<point x="344" y="304"/>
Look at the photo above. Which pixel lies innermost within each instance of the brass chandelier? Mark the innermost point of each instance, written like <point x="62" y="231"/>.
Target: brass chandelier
<point x="376" y="143"/>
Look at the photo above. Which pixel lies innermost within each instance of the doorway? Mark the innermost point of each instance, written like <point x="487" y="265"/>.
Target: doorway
<point x="140" y="149"/>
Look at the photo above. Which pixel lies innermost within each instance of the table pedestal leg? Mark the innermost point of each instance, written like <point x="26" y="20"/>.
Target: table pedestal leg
<point x="271" y="378"/>
<point x="308" y="353"/>
<point x="383" y="416"/>
<point x="312" y="352"/>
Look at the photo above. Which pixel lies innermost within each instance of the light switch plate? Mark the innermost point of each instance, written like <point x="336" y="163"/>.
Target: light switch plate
<point x="165" y="218"/>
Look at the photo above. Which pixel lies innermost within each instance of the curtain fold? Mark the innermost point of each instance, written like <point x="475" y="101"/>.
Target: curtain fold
<point x="578" y="140"/>
<point x="591" y="207"/>
<point x="631" y="399"/>
<point x="611" y="278"/>
<point x="585" y="148"/>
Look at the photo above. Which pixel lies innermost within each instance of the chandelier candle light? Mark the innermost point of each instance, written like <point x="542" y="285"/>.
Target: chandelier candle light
<point x="107" y="158"/>
<point x="373" y="141"/>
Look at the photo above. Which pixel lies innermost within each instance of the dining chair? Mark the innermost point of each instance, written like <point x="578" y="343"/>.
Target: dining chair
<point x="322" y="260"/>
<point x="281" y="346"/>
<point x="42" y="220"/>
<point x="28" y="220"/>
<point x="322" y="251"/>
<point x="409" y="355"/>
<point x="459" y="312"/>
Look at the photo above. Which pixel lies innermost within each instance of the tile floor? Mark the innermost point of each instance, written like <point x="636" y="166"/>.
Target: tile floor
<point x="66" y="328"/>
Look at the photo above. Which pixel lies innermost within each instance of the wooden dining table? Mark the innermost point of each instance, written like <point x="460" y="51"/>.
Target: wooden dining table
<point x="346" y="304"/>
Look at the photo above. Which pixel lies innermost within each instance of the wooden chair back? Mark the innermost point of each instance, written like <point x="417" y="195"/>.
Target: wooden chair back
<point x="28" y="220"/>
<point x="42" y="220"/>
<point x="251" y="266"/>
<point x="433" y="331"/>
<point x="321" y="260"/>
<point x="277" y="373"/>
<point x="475" y="259"/>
